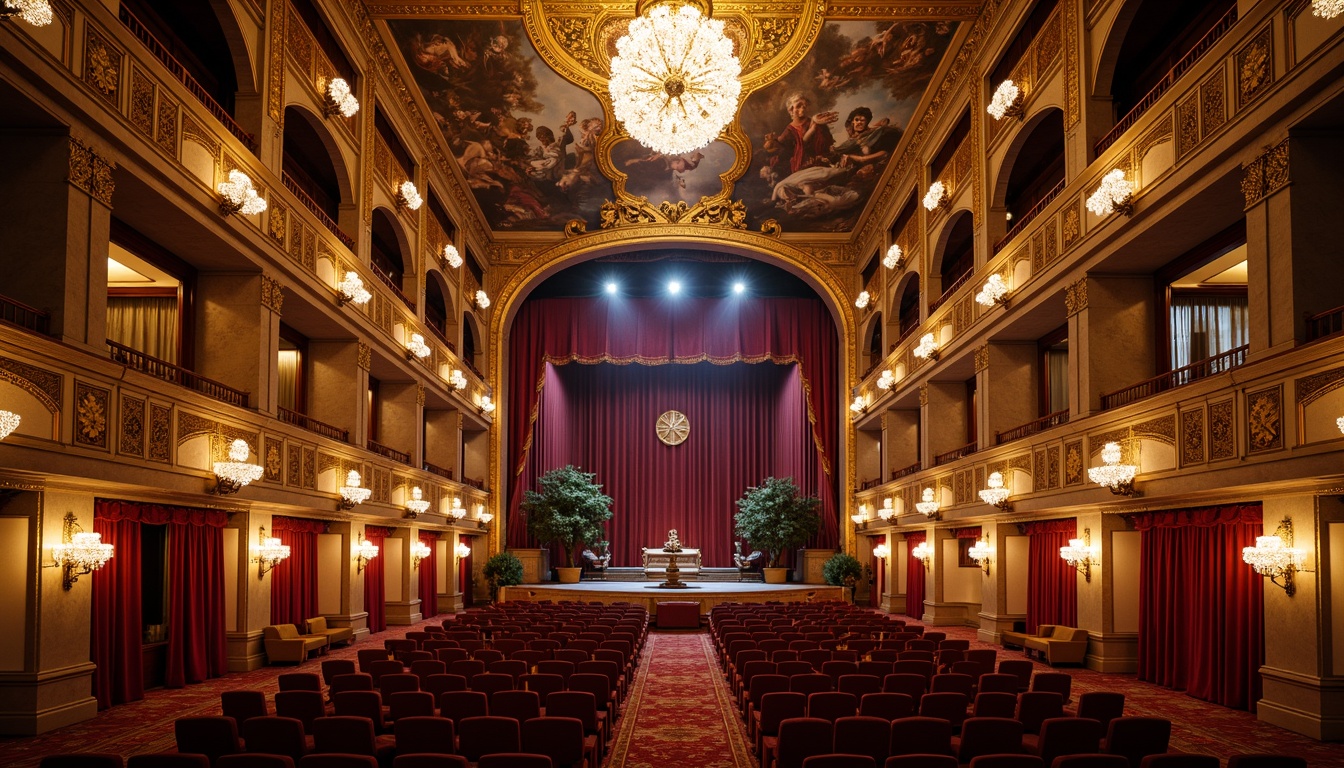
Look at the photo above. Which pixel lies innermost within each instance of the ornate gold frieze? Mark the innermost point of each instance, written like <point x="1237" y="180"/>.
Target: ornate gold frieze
<point x="1309" y="388"/>
<point x="1266" y="174"/>
<point x="277" y="223"/>
<point x="275" y="86"/>
<point x="1213" y="102"/>
<point x="1222" y="437"/>
<point x="166" y="129"/>
<point x="981" y="358"/>
<point x="1073" y="92"/>
<point x="924" y="394"/>
<point x="1073" y="463"/>
<point x="1187" y="122"/>
<point x="1255" y="67"/>
<point x="190" y="425"/>
<point x="364" y="356"/>
<point x="271" y="460"/>
<point x="1162" y="429"/>
<point x="194" y="131"/>
<point x="91" y="172"/>
<point x="309" y="467"/>
<point x="1158" y="133"/>
<point x="1071" y="227"/>
<point x="91" y="415"/>
<point x="142" y="101"/>
<point x="419" y="394"/>
<point x="1075" y="297"/>
<point x="1052" y="474"/>
<point x="1192" y="437"/>
<point x="131" y="441"/>
<point x="272" y="294"/>
<point x="160" y="433"/>
<point x="39" y="382"/>
<point x="1039" y="480"/>
<point x="294" y="466"/>
<point x="102" y="64"/>
<point x="1264" y="420"/>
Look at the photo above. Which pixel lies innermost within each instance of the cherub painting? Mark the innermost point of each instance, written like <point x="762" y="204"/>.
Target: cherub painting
<point x="524" y="137"/>
<point x="823" y="135"/>
<point x="686" y="177"/>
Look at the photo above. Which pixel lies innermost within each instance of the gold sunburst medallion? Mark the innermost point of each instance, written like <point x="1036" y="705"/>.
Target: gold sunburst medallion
<point x="673" y="428"/>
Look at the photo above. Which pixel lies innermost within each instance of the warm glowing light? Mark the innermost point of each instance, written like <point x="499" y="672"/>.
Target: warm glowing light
<point x="861" y="301"/>
<point x="457" y="380"/>
<point x="351" y="493"/>
<point x="927" y="348"/>
<point x="409" y="196"/>
<point x="79" y="553"/>
<point x="1007" y="101"/>
<point x="1081" y="555"/>
<point x="364" y="552"/>
<point x="232" y="475"/>
<point x="859" y="405"/>
<point x="35" y="12"/>
<point x="981" y="553"/>
<point x="451" y="256"/>
<point x="895" y="257"/>
<point x="995" y="291"/>
<point x="417" y="504"/>
<point x="861" y="516"/>
<point x="923" y="553"/>
<point x="928" y="505"/>
<point x="457" y="511"/>
<point x="1326" y="9"/>
<point x="935" y="197"/>
<point x="483" y="516"/>
<point x="352" y="290"/>
<point x="882" y="551"/>
<point x="340" y="101"/>
<point x="417" y="348"/>
<point x="886" y="381"/>
<point x="674" y="81"/>
<point x="268" y="552"/>
<point x="237" y="195"/>
<point x="1276" y="557"/>
<point x="1113" y="195"/>
<point x="419" y="551"/>
<point x="462" y="550"/>
<point x="887" y="511"/>
<point x="1117" y="477"/>
<point x="487" y="405"/>
<point x="995" y="495"/>
<point x="482" y="299"/>
<point x="9" y="421"/>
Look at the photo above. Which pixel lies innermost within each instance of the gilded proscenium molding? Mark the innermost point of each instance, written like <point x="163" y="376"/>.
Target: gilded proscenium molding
<point x="513" y="287"/>
<point x="91" y="172"/>
<point x="1266" y="174"/>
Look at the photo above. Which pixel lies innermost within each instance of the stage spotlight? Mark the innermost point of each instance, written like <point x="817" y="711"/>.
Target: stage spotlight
<point x="612" y="288"/>
<point x="674" y="287"/>
<point x="739" y="287"/>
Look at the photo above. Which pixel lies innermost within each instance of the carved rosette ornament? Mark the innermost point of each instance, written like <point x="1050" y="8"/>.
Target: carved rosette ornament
<point x="673" y="428"/>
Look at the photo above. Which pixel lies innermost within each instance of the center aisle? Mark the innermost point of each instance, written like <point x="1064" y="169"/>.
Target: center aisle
<point x="666" y="721"/>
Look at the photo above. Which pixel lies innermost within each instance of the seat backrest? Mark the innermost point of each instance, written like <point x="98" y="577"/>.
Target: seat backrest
<point x="451" y="654"/>
<point x="410" y="704"/>
<point x="994" y="704"/>
<point x="998" y="683"/>
<point x="556" y="667"/>
<point x="513" y="760"/>
<point x="1138" y="737"/>
<point x="357" y="681"/>
<point x="280" y="632"/>
<point x="467" y="668"/>
<point x="304" y="706"/>
<point x="791" y="668"/>
<point x="397" y="683"/>
<point x="951" y="682"/>
<point x="457" y="705"/>
<point x="384" y="667"/>
<point x="210" y="736"/>
<point x="426" y="667"/>
<point x="920" y="736"/>
<point x="359" y="704"/>
<point x="801" y="738"/>
<point x="778" y="707"/>
<point x="275" y="736"/>
<point x="948" y="706"/>
<point x="813" y="683"/>
<point x="344" y="734"/>
<point x="1069" y="736"/>
<point x="333" y="667"/>
<point x="1020" y="667"/>
<point x="520" y="705"/>
<point x="479" y="736"/>
<point x="863" y="735"/>
<point x="988" y="736"/>
<point x="593" y="683"/>
<point x="580" y="705"/>
<point x="1102" y="706"/>
<point x="425" y="735"/>
<point x="1035" y="707"/>
<point x="543" y="683"/>
<point x="560" y="738"/>
<point x="913" y="666"/>
<point x="243" y="705"/>
<point x="910" y="684"/>
<point x="888" y="706"/>
<point x="832" y="705"/>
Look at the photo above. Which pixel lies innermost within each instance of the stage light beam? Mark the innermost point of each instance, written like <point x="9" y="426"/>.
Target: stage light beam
<point x="739" y="287"/>
<point x="674" y="287"/>
<point x="612" y="288"/>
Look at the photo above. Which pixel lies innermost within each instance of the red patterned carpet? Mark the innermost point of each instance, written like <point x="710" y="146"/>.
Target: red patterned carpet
<point x="680" y="712"/>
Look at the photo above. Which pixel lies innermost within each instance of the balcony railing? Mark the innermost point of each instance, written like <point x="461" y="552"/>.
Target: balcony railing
<point x="440" y="471"/>
<point x="313" y="425"/>
<point x="178" y="71"/>
<point x="162" y="369"/>
<point x="951" y="289"/>
<point x="873" y="483"/>
<point x="953" y="455"/>
<point x="474" y="483"/>
<point x="1032" y="427"/>
<point x="1029" y="216"/>
<point x="897" y="474"/>
<point x="20" y="314"/>
<point x="1187" y="61"/>
<point x="392" y="286"/>
<point x="316" y="210"/>
<point x="389" y="453"/>
<point x="1184" y="375"/>
<point x="1326" y="323"/>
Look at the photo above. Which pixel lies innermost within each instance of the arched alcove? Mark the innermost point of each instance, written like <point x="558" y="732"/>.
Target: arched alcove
<point x="873" y="342"/>
<point x="471" y="340"/>
<point x="312" y="162"/>
<point x="387" y="249"/>
<point x="1033" y="166"/>
<point x="954" y="258"/>
<point x="436" y="305"/>
<point x="907" y="312"/>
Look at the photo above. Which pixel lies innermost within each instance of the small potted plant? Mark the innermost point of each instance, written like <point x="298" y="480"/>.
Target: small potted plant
<point x="843" y="570"/>
<point x="568" y="511"/>
<point x="775" y="518"/>
<point x="502" y="570"/>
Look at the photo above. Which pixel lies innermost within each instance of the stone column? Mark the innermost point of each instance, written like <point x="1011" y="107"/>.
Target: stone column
<point x="1006" y="387"/>
<point x="1115" y="317"/>
<point x="236" y="337"/>
<point x="1108" y="605"/>
<point x="944" y="608"/>
<point x="400" y="580"/>
<point x="45" y="669"/>
<point x="58" y="203"/>
<point x="997" y="611"/>
<point x="247" y="595"/>
<point x="943" y="413"/>
<point x="339" y="383"/>
<point x="399" y="419"/>
<point x="340" y="559"/>
<point x="900" y="440"/>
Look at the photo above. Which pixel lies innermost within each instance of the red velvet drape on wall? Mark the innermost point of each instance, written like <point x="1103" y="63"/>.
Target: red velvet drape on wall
<point x="747" y="422"/>
<point x="464" y="574"/>
<point x="656" y="332"/>
<point x="914" y="577"/>
<point x="429" y="570"/>
<point x="196" y="650"/>
<point x="117" y="628"/>
<point x="294" y="579"/>
<point x="375" y="596"/>
<point x="1201" y="609"/>
<point x="879" y="572"/>
<point x="1052" y="584"/>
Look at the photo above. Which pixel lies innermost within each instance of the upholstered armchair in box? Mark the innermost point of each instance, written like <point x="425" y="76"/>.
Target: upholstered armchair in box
<point x="285" y="644"/>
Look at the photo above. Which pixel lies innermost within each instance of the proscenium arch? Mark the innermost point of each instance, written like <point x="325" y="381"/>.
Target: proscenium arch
<point x="829" y="286"/>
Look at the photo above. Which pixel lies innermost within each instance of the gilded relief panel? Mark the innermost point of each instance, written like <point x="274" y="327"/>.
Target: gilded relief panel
<point x="131" y="441"/>
<point x="160" y="433"/>
<point x="1222" y="437"/>
<point x="1073" y="463"/>
<point x="91" y="415"/>
<point x="1192" y="437"/>
<point x="1264" y="420"/>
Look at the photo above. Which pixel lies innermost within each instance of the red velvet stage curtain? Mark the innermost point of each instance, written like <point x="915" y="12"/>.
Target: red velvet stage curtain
<point x="196" y="650"/>
<point x="748" y="422"/>
<point x="294" y="579"/>
<point x="429" y="571"/>
<point x="1052" y="584"/>
<point x="914" y="577"/>
<point x="117" y="630"/>
<point x="1201" y="609"/>
<point x="879" y="572"/>
<point x="655" y="332"/>
<point x="464" y="575"/>
<point x="375" y="596"/>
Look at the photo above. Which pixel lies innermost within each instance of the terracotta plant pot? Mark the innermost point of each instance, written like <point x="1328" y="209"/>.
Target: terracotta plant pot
<point x="568" y="575"/>
<point x="776" y="575"/>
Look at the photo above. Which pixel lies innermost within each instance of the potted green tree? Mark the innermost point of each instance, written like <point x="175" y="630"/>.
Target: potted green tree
<point x="774" y="518"/>
<point x="843" y="570"/>
<point x="568" y="511"/>
<point x="502" y="570"/>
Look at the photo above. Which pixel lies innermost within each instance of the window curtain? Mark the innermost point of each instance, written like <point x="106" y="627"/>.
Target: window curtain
<point x="429" y="572"/>
<point x="879" y="572"/>
<point x="654" y="332"/>
<point x="1052" y="584"/>
<point x="1057" y="373"/>
<point x="117" y="629"/>
<point x="1201" y="609"/>
<point x="287" y="361"/>
<point x="1206" y="325"/>
<point x="747" y="422"/>
<point x="914" y="577"/>
<point x="375" y="596"/>
<point x="294" y="579"/>
<point x="464" y="574"/>
<point x="147" y="324"/>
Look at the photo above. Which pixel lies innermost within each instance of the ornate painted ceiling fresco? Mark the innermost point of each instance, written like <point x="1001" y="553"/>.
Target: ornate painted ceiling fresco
<point x="521" y="105"/>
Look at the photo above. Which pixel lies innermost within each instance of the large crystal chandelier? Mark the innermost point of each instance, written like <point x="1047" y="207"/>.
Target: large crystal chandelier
<point x="1326" y="9"/>
<point x="1119" y="478"/>
<point x="79" y="553"/>
<point x="674" y="83"/>
<point x="9" y="421"/>
<point x="268" y="552"/>
<point x="417" y="504"/>
<point x="351" y="493"/>
<point x="35" y="12"/>
<point x="928" y="505"/>
<point x="996" y="494"/>
<point x="232" y="475"/>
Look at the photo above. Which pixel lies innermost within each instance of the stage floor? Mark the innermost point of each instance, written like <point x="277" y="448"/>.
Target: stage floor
<point x="707" y="593"/>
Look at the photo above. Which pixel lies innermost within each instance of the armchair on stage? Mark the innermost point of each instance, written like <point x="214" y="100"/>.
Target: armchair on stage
<point x="746" y="564"/>
<point x="597" y="564"/>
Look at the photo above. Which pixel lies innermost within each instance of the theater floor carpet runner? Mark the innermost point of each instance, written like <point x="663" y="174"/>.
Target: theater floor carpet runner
<point x="680" y="712"/>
